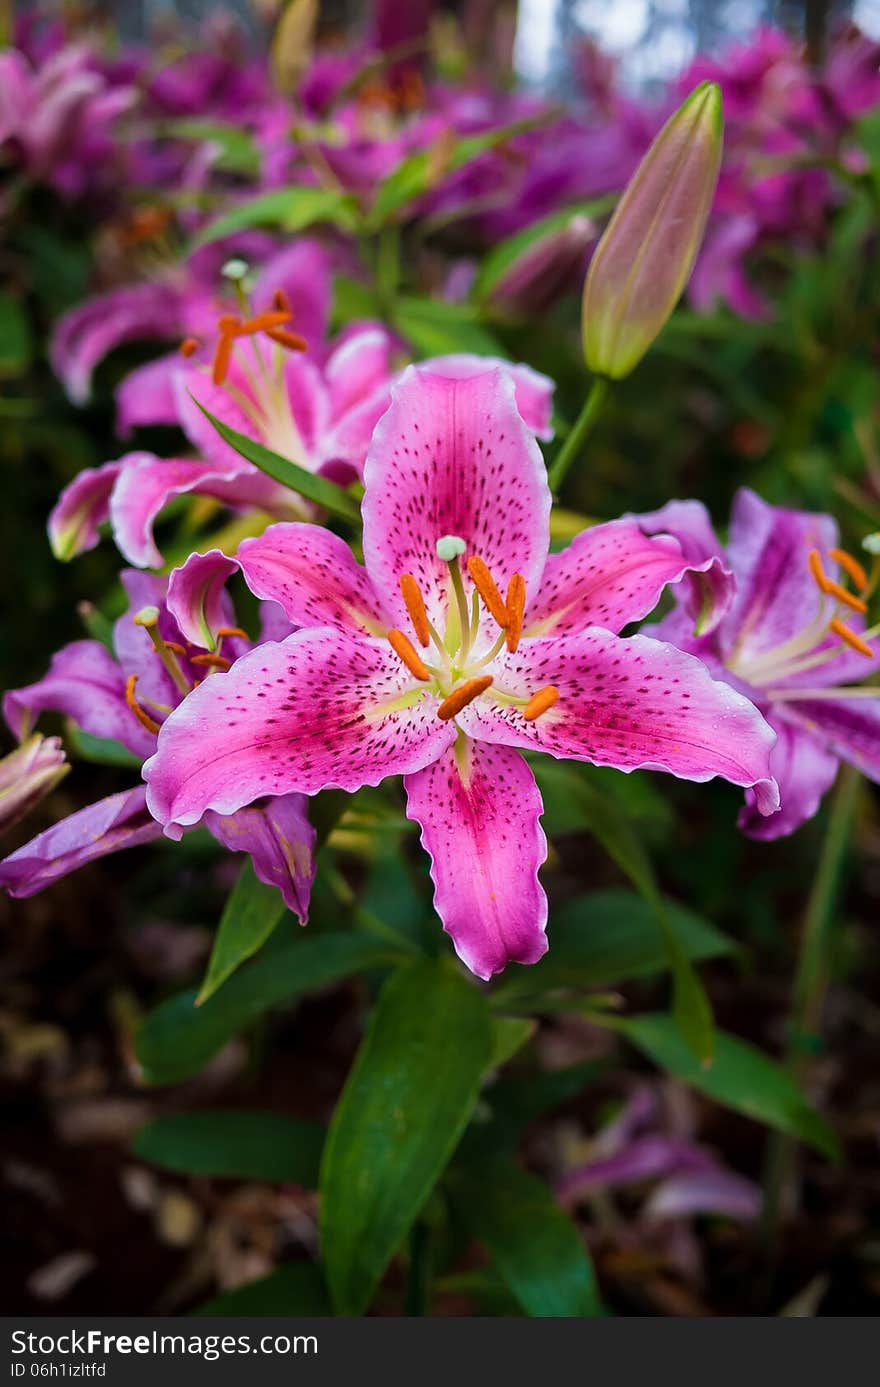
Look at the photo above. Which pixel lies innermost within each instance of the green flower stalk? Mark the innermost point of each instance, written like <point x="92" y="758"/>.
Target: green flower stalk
<point x="646" y="255"/>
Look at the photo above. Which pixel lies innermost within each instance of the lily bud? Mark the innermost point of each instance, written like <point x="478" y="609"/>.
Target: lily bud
<point x="647" y="252"/>
<point x="27" y="775"/>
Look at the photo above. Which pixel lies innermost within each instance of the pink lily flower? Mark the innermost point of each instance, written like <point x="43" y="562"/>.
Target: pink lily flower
<point x="793" y="640"/>
<point x="459" y="644"/>
<point x="125" y="696"/>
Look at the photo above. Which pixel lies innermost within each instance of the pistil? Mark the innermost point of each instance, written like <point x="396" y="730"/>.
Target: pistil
<point x="148" y="617"/>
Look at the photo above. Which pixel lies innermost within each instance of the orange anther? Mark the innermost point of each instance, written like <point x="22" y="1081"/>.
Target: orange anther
<point x="143" y="718"/>
<point x="851" y="638"/>
<point x="462" y="696"/>
<point x="215" y="661"/>
<point x="540" y="702"/>
<point x="403" y="646"/>
<point x="485" y="584"/>
<point x="415" y="605"/>
<point x="830" y="588"/>
<point x="292" y="340"/>
<point x="170" y="645"/>
<point x="189" y="346"/>
<point x="264" y="321"/>
<point x="850" y="566"/>
<point x="516" y="606"/>
<point x="222" y="358"/>
<point x="228" y="322"/>
<point x="281" y="301"/>
<point x="232" y="631"/>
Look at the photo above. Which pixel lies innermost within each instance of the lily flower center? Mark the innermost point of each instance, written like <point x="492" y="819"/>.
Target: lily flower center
<point x="809" y="648"/>
<point x="258" y="384"/>
<point x="171" y="653"/>
<point x="459" y="668"/>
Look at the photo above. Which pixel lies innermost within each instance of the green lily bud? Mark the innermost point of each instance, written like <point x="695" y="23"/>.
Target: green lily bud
<point x="647" y="252"/>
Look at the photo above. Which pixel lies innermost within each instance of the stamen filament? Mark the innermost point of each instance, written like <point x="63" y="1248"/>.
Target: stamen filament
<point x="148" y="617"/>
<point x="143" y="718"/>
<point x="516" y="606"/>
<point x="490" y="654"/>
<point x="462" y="696"/>
<point x="404" y="648"/>
<point x="463" y="611"/>
<point x="540" y="702"/>
<point x="415" y="606"/>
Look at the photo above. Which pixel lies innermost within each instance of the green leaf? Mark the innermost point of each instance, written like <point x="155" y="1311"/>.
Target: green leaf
<point x="16" y="345"/>
<point x="614" y="830"/>
<point x="503" y="257"/>
<point x="102" y="751"/>
<point x="291" y="209"/>
<point x="295" y="1289"/>
<point x="407" y="1101"/>
<point x="324" y="493"/>
<point x="740" y="1076"/>
<point x="509" y="1034"/>
<point x="415" y="174"/>
<point x="240" y="1145"/>
<point x="178" y="1038"/>
<point x="606" y="937"/>
<point x="533" y="1243"/>
<point x="238" y="153"/>
<point x="436" y="328"/>
<point x="251" y="913"/>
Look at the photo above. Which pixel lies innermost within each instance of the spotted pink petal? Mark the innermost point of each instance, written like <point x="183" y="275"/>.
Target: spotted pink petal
<point x="313" y="576"/>
<point x="281" y="842"/>
<point x="630" y="703"/>
<point x="85" y="683"/>
<point x="452" y="457"/>
<point x="316" y="710"/>
<point x="848" y="727"/>
<point x="609" y="576"/>
<point x="121" y="821"/>
<point x="479" y="810"/>
<point x="803" y="769"/>
<point x="532" y="390"/>
<point x="196" y="596"/>
<point x="81" y="508"/>
<point x="147" y="395"/>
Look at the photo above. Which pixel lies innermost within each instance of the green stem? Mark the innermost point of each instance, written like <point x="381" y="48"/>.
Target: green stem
<point x="809" y="988"/>
<point x="582" y="425"/>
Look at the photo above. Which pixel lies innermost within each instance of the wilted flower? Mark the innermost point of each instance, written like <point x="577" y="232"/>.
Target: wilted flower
<point x="27" y="775"/>
<point x="646" y="254"/>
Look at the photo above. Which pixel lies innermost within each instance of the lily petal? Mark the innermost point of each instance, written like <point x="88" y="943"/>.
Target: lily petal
<point x="85" y="683"/>
<point x="319" y="709"/>
<point x="803" y="769"/>
<point x="479" y="809"/>
<point x="85" y="335"/>
<point x="630" y="703"/>
<point x="452" y="457"/>
<point x="608" y="576"/>
<point x="196" y="596"/>
<point x="710" y="586"/>
<point x="313" y="576"/>
<point x="768" y="551"/>
<point x="281" y="842"/>
<point x="81" y="508"/>
<point x="121" y="821"/>
<point x="533" y="391"/>
<point x="147" y="395"/>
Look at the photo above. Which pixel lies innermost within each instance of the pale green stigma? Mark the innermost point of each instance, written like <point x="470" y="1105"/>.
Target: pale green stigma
<point x="147" y="616"/>
<point x="235" y="269"/>
<point x="450" y="547"/>
<point x="872" y="543"/>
